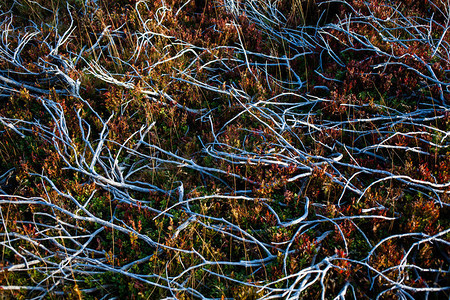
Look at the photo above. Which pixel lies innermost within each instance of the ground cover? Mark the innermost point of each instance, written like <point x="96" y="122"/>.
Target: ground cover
<point x="225" y="149"/>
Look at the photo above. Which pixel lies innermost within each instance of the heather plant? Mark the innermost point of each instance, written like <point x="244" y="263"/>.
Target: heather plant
<point x="224" y="149"/>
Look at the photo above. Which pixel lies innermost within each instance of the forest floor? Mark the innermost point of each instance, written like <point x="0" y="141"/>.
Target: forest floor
<point x="230" y="149"/>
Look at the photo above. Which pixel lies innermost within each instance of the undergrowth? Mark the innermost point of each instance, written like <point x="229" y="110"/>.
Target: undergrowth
<point x="224" y="149"/>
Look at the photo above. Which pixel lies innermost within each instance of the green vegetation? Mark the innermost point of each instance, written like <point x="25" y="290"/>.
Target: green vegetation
<point x="224" y="149"/>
